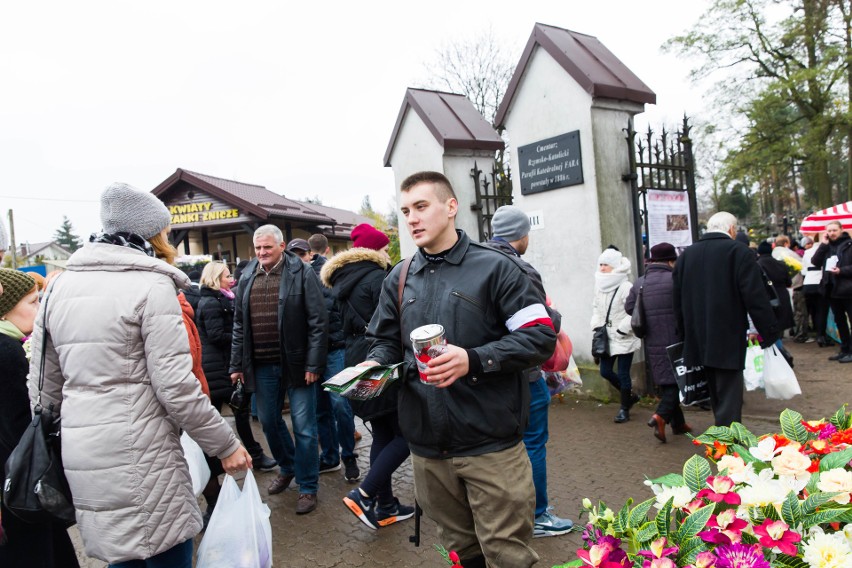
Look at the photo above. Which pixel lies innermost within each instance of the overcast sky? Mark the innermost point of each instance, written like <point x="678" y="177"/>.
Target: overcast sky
<point x="299" y="97"/>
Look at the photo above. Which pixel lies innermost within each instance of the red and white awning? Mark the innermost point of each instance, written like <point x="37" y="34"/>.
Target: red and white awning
<point x="815" y="222"/>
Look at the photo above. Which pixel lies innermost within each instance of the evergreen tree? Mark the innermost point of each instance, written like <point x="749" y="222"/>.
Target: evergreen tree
<point x="65" y="235"/>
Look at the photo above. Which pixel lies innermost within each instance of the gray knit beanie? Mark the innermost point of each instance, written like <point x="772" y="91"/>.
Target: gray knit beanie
<point x="125" y="209"/>
<point x="510" y="223"/>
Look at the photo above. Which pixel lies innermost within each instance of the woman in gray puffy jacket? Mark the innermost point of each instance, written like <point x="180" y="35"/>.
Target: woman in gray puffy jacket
<point x="117" y="365"/>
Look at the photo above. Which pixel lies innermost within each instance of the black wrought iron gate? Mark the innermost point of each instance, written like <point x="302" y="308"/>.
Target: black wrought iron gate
<point x="490" y="195"/>
<point x="664" y="163"/>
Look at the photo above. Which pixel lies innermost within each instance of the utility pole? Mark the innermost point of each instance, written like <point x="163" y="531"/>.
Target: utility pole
<point x="12" y="238"/>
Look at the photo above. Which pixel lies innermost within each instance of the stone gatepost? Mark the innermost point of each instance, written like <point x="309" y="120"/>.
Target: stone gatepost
<point x="565" y="112"/>
<point x="441" y="132"/>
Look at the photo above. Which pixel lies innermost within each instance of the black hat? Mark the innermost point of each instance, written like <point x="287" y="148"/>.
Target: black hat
<point x="298" y="245"/>
<point x="663" y="252"/>
<point x="764" y="248"/>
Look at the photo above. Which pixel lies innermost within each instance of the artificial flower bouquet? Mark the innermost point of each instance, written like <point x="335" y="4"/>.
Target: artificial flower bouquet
<point x="778" y="501"/>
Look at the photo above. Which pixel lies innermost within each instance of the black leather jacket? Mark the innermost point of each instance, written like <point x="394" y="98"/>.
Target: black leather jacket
<point x="302" y="323"/>
<point x="477" y="294"/>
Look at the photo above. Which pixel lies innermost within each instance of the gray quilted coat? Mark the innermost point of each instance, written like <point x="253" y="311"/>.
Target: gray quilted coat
<point x="117" y="358"/>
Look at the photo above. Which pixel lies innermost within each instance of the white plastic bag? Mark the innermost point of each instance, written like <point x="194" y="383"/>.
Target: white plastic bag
<point x="199" y="471"/>
<point x="239" y="534"/>
<point x="778" y="377"/>
<point x="753" y="371"/>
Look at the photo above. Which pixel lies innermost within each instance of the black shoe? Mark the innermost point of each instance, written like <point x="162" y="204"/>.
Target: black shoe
<point x="351" y="472"/>
<point x="634" y="398"/>
<point x="622" y="416"/>
<point x="846" y="358"/>
<point x="837" y="357"/>
<point x="822" y="341"/>
<point x="329" y="467"/>
<point x="263" y="463"/>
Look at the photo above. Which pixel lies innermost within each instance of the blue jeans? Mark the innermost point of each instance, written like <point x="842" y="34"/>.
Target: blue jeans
<point x="178" y="556"/>
<point x="535" y="440"/>
<point x="302" y="458"/>
<point x="335" y="420"/>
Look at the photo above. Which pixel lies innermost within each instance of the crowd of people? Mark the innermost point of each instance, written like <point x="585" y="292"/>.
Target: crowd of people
<point x="132" y="355"/>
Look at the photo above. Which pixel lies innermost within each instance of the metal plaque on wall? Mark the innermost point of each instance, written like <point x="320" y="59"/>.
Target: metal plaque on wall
<point x="551" y="163"/>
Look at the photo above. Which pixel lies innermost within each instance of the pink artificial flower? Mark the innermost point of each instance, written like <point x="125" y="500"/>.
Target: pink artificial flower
<point x="705" y="560"/>
<point x="778" y="534"/>
<point x="724" y="528"/>
<point x="659" y="563"/>
<point x="658" y="549"/>
<point x="740" y="556"/>
<point x="605" y="554"/>
<point x="720" y="490"/>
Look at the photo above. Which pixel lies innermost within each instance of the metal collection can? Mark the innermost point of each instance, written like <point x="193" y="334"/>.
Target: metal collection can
<point x="427" y="341"/>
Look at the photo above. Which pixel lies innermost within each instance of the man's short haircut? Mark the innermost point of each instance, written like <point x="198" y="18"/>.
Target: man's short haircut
<point x="782" y="240"/>
<point x="318" y="243"/>
<point x="269" y="231"/>
<point x="838" y="223"/>
<point x="721" y="222"/>
<point x="443" y="187"/>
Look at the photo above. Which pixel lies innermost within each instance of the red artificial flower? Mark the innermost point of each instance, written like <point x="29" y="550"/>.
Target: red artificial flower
<point x="814" y="426"/>
<point x="780" y="441"/>
<point x="778" y="534"/>
<point x="454" y="557"/>
<point x="717" y="451"/>
<point x="814" y="466"/>
<point x="724" y="528"/>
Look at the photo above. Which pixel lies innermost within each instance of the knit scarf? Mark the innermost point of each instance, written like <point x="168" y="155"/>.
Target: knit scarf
<point x="608" y="281"/>
<point x="227" y="293"/>
<point x="129" y="240"/>
<point x="8" y="328"/>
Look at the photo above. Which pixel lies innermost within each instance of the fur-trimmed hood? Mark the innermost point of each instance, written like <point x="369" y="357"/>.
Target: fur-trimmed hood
<point x="332" y="268"/>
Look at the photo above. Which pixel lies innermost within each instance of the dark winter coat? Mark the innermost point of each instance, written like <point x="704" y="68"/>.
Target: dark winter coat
<point x="487" y="305"/>
<point x="335" y="324"/>
<point x="355" y="278"/>
<point x="302" y="324"/>
<point x="193" y="296"/>
<point x="838" y="286"/>
<point x="776" y="272"/>
<point x="41" y="545"/>
<point x="658" y="305"/>
<point x="717" y="285"/>
<point x="214" y="319"/>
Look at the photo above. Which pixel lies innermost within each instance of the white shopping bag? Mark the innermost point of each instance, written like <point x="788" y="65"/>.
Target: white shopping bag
<point x="199" y="471"/>
<point x="239" y="534"/>
<point x="778" y="377"/>
<point x="753" y="371"/>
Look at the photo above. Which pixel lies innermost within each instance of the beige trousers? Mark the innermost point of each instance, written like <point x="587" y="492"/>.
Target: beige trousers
<point x="483" y="505"/>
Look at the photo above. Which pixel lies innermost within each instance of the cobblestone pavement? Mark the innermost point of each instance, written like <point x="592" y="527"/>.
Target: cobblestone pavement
<point x="588" y="456"/>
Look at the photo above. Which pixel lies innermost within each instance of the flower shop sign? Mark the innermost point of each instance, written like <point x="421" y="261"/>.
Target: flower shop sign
<point x="781" y="500"/>
<point x="551" y="163"/>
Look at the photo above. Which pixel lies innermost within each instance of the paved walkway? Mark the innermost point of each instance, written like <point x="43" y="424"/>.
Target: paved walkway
<point x="589" y="456"/>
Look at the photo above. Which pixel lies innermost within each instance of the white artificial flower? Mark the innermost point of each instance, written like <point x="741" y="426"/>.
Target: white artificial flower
<point x="827" y="550"/>
<point x="836" y="480"/>
<point x="765" y="449"/>
<point x="764" y="490"/>
<point x="737" y="468"/>
<point x="683" y="496"/>
<point x="791" y="462"/>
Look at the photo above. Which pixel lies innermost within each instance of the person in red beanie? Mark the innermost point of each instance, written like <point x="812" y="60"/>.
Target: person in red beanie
<point x="367" y="236"/>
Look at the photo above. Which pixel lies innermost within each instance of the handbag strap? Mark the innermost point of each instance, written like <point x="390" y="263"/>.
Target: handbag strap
<point x="402" y="278"/>
<point x="47" y="292"/>
<point x="609" y="309"/>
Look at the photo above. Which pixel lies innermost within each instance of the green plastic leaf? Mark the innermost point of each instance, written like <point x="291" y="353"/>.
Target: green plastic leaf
<point x="769" y="512"/>
<point x="669" y="480"/>
<point x="620" y="523"/>
<point x="839" y="418"/>
<point x="811" y="487"/>
<point x="573" y="564"/>
<point x="693" y="524"/>
<point x="791" y="510"/>
<point x="816" y="500"/>
<point x="784" y="561"/>
<point x="748" y="538"/>
<point x="639" y="514"/>
<point x="721" y="433"/>
<point x="663" y="519"/>
<point x="824" y="516"/>
<point x="835" y="460"/>
<point x="689" y="550"/>
<point x="791" y="426"/>
<point x="696" y="470"/>
<point x="744" y="453"/>
<point x="743" y="436"/>
<point x="646" y="534"/>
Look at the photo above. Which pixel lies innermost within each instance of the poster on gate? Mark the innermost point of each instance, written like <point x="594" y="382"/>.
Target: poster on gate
<point x="668" y="218"/>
